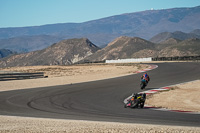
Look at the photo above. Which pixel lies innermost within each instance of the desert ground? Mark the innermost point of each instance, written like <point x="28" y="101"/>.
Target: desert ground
<point x="60" y="75"/>
<point x="183" y="97"/>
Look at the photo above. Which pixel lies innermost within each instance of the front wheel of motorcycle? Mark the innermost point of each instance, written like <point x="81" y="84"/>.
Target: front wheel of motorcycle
<point x="142" y="86"/>
<point x="134" y="103"/>
<point x="125" y="106"/>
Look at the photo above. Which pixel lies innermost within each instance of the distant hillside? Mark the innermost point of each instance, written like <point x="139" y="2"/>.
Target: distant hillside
<point x="80" y="50"/>
<point x="189" y="45"/>
<point x="28" y="43"/>
<point x="65" y="52"/>
<point x="120" y="48"/>
<point x="167" y="43"/>
<point x="177" y="35"/>
<point x="174" y="47"/>
<point x="128" y="47"/>
<point x="145" y="24"/>
<point x="197" y="32"/>
<point x="5" y="53"/>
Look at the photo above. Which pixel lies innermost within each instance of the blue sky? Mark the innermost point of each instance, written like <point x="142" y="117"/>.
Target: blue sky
<point x="20" y="13"/>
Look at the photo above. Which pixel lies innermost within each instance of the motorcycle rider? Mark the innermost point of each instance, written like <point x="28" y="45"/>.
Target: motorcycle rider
<point x="136" y="100"/>
<point x="146" y="77"/>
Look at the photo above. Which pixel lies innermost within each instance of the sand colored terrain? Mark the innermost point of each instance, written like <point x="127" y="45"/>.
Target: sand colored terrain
<point x="181" y="97"/>
<point x="38" y="125"/>
<point x="59" y="75"/>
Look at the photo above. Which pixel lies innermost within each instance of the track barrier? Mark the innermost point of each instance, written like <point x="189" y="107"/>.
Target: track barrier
<point x="19" y="76"/>
<point x="176" y="58"/>
<point x="130" y="60"/>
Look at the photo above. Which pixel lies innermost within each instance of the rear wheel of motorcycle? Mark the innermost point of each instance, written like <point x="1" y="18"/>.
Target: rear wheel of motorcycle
<point x="142" y="105"/>
<point x="134" y="103"/>
<point x="142" y="86"/>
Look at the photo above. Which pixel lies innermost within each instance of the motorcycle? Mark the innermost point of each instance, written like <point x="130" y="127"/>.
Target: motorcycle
<point x="143" y="84"/>
<point x="136" y="101"/>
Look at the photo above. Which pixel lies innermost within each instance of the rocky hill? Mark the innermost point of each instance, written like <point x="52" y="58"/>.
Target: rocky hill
<point x="128" y="47"/>
<point x="173" y="47"/>
<point x="6" y="52"/>
<point x="72" y="51"/>
<point x="178" y="35"/>
<point x="122" y="47"/>
<point x="197" y="32"/>
<point x="167" y="43"/>
<point x="189" y="46"/>
<point x="65" y="52"/>
<point x="145" y="24"/>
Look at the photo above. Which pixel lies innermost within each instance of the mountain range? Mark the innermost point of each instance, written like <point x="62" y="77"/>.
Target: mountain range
<point x="24" y="44"/>
<point x="76" y="50"/>
<point x="65" y="52"/>
<point x="6" y="52"/>
<point x="178" y="35"/>
<point x="134" y="47"/>
<point x="144" y="24"/>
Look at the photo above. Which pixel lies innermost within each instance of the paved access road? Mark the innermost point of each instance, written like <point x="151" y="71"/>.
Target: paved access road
<point x="102" y="100"/>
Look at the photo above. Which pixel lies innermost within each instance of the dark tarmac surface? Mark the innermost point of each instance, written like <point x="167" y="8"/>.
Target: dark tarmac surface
<point x="102" y="100"/>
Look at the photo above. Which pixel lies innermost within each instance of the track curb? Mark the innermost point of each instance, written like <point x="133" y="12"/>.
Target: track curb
<point x="147" y="69"/>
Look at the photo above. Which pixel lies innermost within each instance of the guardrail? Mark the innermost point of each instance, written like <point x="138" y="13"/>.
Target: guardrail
<point x="88" y="62"/>
<point x="177" y="58"/>
<point x="130" y="60"/>
<point x="20" y="76"/>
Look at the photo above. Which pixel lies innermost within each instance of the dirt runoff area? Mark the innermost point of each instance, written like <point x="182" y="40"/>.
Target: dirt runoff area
<point x="14" y="124"/>
<point x="184" y="97"/>
<point x="60" y="75"/>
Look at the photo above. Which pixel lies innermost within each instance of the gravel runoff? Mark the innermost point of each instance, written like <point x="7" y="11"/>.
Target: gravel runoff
<point x="13" y="124"/>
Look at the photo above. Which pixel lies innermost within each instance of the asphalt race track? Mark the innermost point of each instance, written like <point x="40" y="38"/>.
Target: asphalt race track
<point x="102" y="100"/>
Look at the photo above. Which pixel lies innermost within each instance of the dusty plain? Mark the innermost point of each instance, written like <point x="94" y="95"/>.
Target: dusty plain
<point x="60" y="75"/>
<point x="184" y="97"/>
